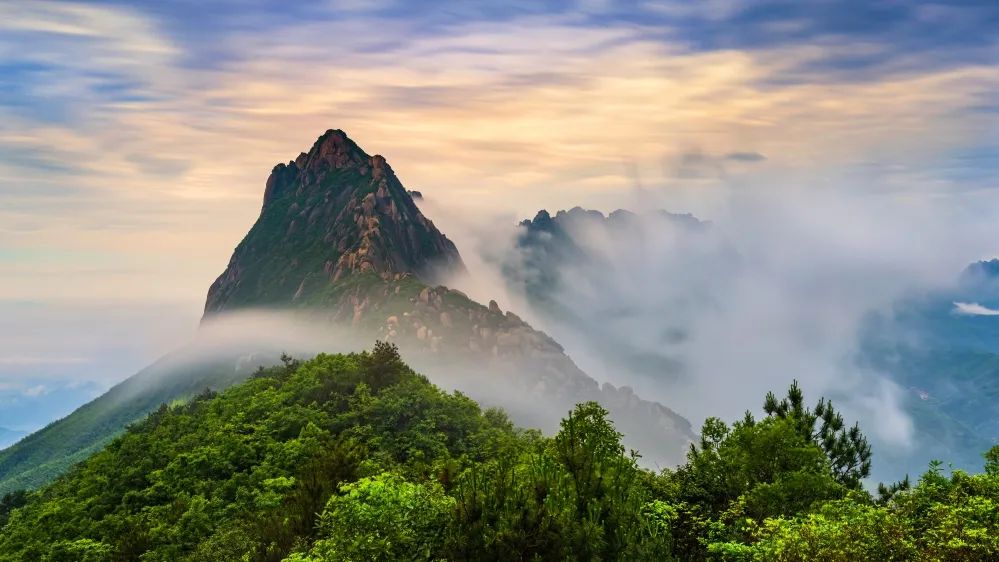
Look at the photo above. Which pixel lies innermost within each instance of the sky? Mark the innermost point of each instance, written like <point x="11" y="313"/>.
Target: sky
<point x="136" y="137"/>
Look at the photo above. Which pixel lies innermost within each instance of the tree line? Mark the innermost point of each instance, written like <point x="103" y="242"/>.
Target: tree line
<point x="356" y="457"/>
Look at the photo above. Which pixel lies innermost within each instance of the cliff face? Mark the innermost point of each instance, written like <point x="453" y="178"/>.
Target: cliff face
<point x="332" y="212"/>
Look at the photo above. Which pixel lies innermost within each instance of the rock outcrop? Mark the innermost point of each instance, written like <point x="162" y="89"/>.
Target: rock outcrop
<point x="331" y="212"/>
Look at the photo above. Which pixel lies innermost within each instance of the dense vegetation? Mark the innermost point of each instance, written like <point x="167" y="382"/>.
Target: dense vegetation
<point x="355" y="457"/>
<point x="44" y="455"/>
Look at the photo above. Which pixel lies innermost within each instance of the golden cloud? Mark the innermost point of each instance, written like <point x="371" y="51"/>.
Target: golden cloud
<point x="546" y="109"/>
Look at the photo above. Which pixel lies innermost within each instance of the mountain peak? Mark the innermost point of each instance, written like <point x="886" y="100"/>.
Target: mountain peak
<point x="333" y="148"/>
<point x="564" y="221"/>
<point x="984" y="269"/>
<point x="332" y="212"/>
<point x="332" y="151"/>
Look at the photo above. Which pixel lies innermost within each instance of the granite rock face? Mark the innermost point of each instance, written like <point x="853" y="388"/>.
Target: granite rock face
<point x="332" y="212"/>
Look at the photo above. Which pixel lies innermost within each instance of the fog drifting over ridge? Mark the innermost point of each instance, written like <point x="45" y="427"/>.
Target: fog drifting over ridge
<point x="806" y="267"/>
<point x="230" y="346"/>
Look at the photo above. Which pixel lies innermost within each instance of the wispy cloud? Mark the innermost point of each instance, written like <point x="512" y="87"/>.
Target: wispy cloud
<point x="35" y="391"/>
<point x="147" y="134"/>
<point x="974" y="309"/>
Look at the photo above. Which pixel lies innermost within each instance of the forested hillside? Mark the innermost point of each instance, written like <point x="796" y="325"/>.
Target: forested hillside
<point x="356" y="457"/>
<point x="40" y="457"/>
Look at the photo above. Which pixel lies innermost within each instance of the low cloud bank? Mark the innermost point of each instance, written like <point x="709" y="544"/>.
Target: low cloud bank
<point x="707" y="320"/>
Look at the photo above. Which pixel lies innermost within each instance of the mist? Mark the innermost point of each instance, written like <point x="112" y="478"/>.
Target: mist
<point x="230" y="347"/>
<point x="57" y="354"/>
<point x="776" y="286"/>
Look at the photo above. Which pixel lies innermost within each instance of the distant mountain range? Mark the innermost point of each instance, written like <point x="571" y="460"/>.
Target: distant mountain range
<point x="572" y="267"/>
<point x="942" y="349"/>
<point x="340" y="241"/>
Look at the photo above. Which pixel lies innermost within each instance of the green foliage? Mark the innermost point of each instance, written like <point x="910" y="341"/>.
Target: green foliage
<point x="383" y="518"/>
<point x="243" y="475"/>
<point x="753" y="470"/>
<point x="888" y="492"/>
<point x="992" y="461"/>
<point x="383" y="365"/>
<point x="355" y="457"/>
<point x="941" y="519"/>
<point x="9" y="502"/>
<point x="847" y="449"/>
<point x="791" y="462"/>
<point x="42" y="456"/>
<point x="576" y="496"/>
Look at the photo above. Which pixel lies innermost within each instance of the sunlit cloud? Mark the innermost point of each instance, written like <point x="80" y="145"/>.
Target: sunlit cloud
<point x="133" y="151"/>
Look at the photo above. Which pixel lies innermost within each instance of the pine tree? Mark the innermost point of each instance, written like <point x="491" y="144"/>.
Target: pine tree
<point x="847" y="449"/>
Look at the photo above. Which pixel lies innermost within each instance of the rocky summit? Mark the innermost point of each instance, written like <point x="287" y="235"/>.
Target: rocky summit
<point x="331" y="212"/>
